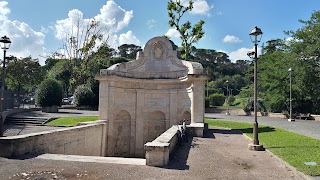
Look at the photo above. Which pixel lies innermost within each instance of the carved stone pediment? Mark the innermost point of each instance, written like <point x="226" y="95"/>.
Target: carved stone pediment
<point x="158" y="60"/>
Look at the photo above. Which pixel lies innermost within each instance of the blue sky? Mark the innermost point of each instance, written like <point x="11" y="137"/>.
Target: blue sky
<point x="35" y="26"/>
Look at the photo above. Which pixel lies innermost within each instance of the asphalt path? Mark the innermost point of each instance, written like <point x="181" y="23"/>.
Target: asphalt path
<point x="309" y="128"/>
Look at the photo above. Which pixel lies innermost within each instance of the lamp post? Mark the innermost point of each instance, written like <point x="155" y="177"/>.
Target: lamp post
<point x="5" y="46"/>
<point x="290" y="99"/>
<point x="227" y="113"/>
<point x="255" y="36"/>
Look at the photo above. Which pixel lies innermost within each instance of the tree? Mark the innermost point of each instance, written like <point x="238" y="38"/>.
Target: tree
<point x="129" y="50"/>
<point x="273" y="79"/>
<point x="189" y="34"/>
<point x="78" y="44"/>
<point x="305" y="44"/>
<point x="60" y="72"/>
<point x="23" y="73"/>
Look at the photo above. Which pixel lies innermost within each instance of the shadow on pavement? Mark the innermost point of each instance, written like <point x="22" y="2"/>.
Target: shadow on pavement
<point x="179" y="156"/>
<point x="209" y="132"/>
<point x="261" y="129"/>
<point x="26" y="156"/>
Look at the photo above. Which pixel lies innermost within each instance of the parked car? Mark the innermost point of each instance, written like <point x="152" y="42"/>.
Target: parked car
<point x="65" y="101"/>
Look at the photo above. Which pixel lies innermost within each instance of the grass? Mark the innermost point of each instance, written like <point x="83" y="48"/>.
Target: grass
<point x="291" y="147"/>
<point x="71" y="121"/>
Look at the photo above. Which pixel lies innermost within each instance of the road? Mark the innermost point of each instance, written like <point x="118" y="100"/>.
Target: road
<point x="309" y="128"/>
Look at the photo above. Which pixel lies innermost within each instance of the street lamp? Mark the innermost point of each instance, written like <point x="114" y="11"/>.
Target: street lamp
<point x="5" y="44"/>
<point x="290" y="116"/>
<point x="255" y="36"/>
<point x="227" y="113"/>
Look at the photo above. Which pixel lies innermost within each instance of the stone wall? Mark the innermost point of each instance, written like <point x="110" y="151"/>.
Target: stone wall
<point x="88" y="140"/>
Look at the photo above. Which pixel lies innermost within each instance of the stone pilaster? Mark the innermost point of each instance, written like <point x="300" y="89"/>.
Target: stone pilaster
<point x="139" y="150"/>
<point x="103" y="100"/>
<point x="197" y="102"/>
<point x="173" y="108"/>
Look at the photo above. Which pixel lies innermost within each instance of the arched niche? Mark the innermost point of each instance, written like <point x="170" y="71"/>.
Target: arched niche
<point x="154" y="125"/>
<point x="121" y="134"/>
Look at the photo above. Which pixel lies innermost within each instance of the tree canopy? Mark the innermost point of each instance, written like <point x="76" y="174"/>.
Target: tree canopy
<point x="23" y="74"/>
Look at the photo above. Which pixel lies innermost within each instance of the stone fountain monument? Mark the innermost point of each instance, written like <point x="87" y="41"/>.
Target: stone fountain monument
<point x="143" y="98"/>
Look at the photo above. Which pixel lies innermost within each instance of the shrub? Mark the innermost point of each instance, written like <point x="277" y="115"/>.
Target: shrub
<point x="94" y="85"/>
<point x="216" y="99"/>
<point x="83" y="96"/>
<point x="231" y="100"/>
<point x="248" y="106"/>
<point x="49" y="93"/>
<point x="207" y="103"/>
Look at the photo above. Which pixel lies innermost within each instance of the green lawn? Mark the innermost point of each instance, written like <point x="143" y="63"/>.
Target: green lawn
<point x="71" y="121"/>
<point x="291" y="147"/>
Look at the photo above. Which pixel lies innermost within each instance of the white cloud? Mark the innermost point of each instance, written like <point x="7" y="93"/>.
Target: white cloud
<point x="231" y="39"/>
<point x="241" y="54"/>
<point x="173" y="33"/>
<point x="199" y="7"/>
<point x="4" y="10"/>
<point x="24" y="40"/>
<point x="112" y="19"/>
<point x="222" y="51"/>
<point x="65" y="26"/>
<point x="128" y="38"/>
<point x="289" y="39"/>
<point x="151" y="23"/>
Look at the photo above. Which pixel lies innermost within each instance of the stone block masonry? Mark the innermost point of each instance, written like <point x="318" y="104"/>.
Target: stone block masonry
<point x="80" y="140"/>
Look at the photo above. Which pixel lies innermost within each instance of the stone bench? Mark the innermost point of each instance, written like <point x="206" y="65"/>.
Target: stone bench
<point x="158" y="151"/>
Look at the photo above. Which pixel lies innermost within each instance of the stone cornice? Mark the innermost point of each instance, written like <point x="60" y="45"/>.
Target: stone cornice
<point x="188" y="78"/>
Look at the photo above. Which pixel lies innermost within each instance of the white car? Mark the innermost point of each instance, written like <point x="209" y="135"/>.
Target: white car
<point x="65" y="101"/>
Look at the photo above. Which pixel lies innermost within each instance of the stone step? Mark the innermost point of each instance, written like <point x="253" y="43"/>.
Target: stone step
<point x="25" y="120"/>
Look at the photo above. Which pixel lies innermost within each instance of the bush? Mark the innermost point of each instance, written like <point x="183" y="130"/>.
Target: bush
<point x="216" y="99"/>
<point x="83" y="96"/>
<point x="231" y="100"/>
<point x="207" y="103"/>
<point x="94" y="85"/>
<point x="49" y="93"/>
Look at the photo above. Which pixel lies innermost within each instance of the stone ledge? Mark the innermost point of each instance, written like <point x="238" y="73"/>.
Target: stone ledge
<point x="196" y="129"/>
<point x="157" y="146"/>
<point x="158" y="151"/>
<point x="92" y="122"/>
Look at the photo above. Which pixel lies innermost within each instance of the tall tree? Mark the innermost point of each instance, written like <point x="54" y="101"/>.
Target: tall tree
<point x="23" y="73"/>
<point x="78" y="44"/>
<point x="129" y="50"/>
<point x="189" y="34"/>
<point x="61" y="73"/>
<point x="305" y="44"/>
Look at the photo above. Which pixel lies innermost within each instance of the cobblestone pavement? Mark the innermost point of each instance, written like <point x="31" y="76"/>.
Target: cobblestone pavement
<point x="309" y="128"/>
